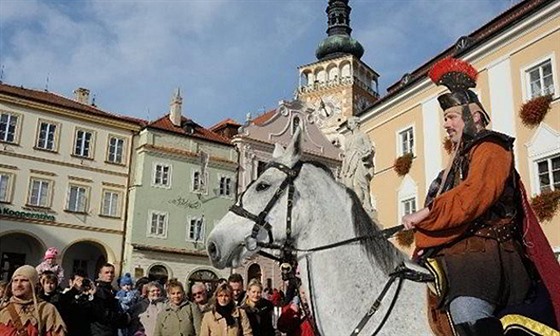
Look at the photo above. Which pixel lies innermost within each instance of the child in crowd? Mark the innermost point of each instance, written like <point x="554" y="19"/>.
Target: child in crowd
<point x="50" y="264"/>
<point x="126" y="295"/>
<point x="49" y="288"/>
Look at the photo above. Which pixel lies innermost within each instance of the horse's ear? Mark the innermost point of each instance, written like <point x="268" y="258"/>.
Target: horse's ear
<point x="293" y="151"/>
<point x="278" y="151"/>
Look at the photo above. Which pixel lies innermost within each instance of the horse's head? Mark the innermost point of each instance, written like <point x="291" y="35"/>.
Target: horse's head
<point x="260" y="213"/>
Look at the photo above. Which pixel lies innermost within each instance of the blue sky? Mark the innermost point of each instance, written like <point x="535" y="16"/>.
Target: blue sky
<point x="228" y="58"/>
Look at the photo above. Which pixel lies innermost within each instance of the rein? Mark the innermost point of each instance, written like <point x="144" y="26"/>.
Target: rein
<point x="288" y="249"/>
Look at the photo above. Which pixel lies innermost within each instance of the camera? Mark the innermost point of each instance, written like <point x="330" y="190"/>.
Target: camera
<point x="86" y="285"/>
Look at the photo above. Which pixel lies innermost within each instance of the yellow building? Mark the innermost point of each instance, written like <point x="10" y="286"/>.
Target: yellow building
<point x="64" y="167"/>
<point x="517" y="55"/>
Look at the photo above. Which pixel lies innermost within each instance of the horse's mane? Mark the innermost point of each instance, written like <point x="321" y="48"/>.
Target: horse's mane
<point x="379" y="250"/>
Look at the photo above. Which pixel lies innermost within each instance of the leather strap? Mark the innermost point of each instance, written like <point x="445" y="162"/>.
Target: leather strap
<point x="21" y="330"/>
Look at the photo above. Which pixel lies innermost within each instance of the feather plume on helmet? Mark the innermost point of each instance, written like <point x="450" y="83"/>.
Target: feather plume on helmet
<point x="459" y="77"/>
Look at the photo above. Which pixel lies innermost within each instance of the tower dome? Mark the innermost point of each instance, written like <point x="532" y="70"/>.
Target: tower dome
<point x="339" y="42"/>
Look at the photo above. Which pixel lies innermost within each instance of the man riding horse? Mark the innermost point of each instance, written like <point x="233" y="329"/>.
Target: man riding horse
<point x="477" y="224"/>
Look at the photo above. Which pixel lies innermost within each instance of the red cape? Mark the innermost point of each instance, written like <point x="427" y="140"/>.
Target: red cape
<point x="540" y="252"/>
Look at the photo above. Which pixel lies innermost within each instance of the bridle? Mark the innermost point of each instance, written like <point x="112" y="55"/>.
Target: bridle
<point x="288" y="249"/>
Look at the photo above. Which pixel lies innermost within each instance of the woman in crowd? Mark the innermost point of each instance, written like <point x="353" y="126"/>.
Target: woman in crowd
<point x="180" y="316"/>
<point x="225" y="319"/>
<point x="259" y="310"/>
<point x="144" y="313"/>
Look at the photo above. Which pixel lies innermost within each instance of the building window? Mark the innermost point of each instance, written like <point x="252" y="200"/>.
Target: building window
<point x="408" y="206"/>
<point x="196" y="230"/>
<point x="83" y="144"/>
<point x="540" y="80"/>
<point x="162" y="175"/>
<point x="115" y="150"/>
<point x="199" y="182"/>
<point x="79" y="264"/>
<point x="40" y="193"/>
<point x="46" y="139"/>
<point x="77" y="199"/>
<point x="406" y="141"/>
<point x="261" y="167"/>
<point x="111" y="203"/>
<point x="8" y="127"/>
<point x="225" y="186"/>
<point x="157" y="224"/>
<point x="6" y="181"/>
<point x="549" y="174"/>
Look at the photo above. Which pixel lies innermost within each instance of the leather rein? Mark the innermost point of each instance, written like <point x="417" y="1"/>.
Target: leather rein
<point x="288" y="250"/>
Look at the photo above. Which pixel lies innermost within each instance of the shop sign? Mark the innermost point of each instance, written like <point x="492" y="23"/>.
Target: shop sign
<point x="27" y="214"/>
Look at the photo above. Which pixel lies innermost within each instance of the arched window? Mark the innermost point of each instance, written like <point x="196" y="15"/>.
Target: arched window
<point x="158" y="273"/>
<point x="254" y="272"/>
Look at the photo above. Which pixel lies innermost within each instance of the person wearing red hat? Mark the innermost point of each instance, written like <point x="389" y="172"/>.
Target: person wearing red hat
<point x="477" y="224"/>
<point x="22" y="313"/>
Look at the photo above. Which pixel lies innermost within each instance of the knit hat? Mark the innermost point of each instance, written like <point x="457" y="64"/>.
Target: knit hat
<point x="125" y="280"/>
<point x="28" y="272"/>
<point x="51" y="253"/>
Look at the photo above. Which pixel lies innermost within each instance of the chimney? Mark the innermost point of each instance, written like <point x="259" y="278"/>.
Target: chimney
<point x="81" y="95"/>
<point x="176" y="108"/>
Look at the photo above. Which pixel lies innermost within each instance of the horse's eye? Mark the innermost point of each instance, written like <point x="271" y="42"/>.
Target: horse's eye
<point x="262" y="186"/>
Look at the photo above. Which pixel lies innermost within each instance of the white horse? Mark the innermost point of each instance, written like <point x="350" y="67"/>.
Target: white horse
<point x="344" y="281"/>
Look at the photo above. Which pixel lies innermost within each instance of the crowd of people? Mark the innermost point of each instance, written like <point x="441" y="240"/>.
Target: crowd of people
<point x="33" y="303"/>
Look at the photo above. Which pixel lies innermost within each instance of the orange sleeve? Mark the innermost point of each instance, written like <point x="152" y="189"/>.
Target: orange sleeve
<point x="489" y="170"/>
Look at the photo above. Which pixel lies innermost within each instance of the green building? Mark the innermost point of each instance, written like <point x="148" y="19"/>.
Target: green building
<point x="183" y="180"/>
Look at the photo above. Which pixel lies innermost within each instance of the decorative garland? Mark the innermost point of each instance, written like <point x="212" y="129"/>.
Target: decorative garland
<point x="534" y="111"/>
<point x="403" y="163"/>
<point x="546" y="205"/>
<point x="405" y="238"/>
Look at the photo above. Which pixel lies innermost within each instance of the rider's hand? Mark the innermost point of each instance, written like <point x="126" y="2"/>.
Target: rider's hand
<point x="409" y="221"/>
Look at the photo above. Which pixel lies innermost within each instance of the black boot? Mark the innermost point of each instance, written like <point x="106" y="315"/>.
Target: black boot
<point x="489" y="326"/>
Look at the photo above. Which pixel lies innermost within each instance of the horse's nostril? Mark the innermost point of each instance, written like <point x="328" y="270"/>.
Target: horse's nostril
<point x="213" y="251"/>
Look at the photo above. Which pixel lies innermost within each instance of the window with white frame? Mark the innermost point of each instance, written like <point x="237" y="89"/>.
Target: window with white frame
<point x="162" y="175"/>
<point x="549" y="173"/>
<point x="195" y="231"/>
<point x="406" y="138"/>
<point x="115" y="150"/>
<point x="77" y="199"/>
<point x="111" y="203"/>
<point x="46" y="138"/>
<point x="157" y="224"/>
<point x="6" y="181"/>
<point x="199" y="182"/>
<point x="8" y="127"/>
<point x="225" y="186"/>
<point x="408" y="206"/>
<point x="39" y="193"/>
<point x="83" y="145"/>
<point x="540" y="80"/>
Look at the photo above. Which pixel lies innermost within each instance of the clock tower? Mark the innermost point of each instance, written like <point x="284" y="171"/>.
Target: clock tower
<point x="338" y="84"/>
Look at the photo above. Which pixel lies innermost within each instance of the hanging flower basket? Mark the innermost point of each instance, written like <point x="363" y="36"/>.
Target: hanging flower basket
<point x="405" y="238"/>
<point x="403" y="164"/>
<point x="546" y="205"/>
<point x="448" y="145"/>
<point x="534" y="111"/>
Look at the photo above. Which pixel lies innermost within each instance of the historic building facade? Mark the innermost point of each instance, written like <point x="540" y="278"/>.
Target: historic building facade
<point x="517" y="55"/>
<point x="255" y="143"/>
<point x="64" y="168"/>
<point x="183" y="181"/>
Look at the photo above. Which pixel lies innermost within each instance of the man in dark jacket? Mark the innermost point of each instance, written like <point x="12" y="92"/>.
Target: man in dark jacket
<point x="75" y="305"/>
<point x="107" y="314"/>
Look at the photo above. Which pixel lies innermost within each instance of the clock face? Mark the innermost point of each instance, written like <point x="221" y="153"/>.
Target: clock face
<point x="327" y="107"/>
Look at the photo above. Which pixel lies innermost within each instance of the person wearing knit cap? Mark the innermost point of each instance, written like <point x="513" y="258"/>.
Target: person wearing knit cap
<point x="22" y="313"/>
<point x="50" y="263"/>
<point x="477" y="223"/>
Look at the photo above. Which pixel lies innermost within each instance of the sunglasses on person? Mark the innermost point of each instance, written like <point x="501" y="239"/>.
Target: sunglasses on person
<point x="198" y="293"/>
